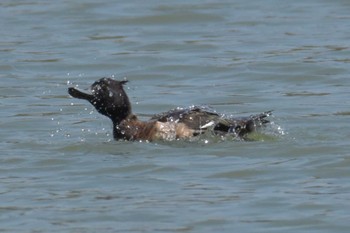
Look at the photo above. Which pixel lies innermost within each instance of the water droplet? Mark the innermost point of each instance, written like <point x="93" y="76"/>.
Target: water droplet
<point x="71" y="104"/>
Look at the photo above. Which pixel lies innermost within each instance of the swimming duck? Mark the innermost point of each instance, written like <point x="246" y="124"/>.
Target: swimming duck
<point x="110" y="99"/>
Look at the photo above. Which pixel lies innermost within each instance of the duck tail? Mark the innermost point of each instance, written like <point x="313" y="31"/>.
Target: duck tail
<point x="256" y="121"/>
<point x="261" y="118"/>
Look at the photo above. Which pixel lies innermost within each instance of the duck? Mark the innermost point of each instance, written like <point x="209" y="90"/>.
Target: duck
<point x="109" y="98"/>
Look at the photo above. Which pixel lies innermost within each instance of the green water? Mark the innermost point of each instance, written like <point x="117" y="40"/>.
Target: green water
<point x="61" y="171"/>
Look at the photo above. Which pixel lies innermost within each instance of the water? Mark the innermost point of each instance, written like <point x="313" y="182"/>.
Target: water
<point x="61" y="171"/>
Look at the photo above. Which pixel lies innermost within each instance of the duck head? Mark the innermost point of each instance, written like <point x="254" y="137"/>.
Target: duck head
<point x="108" y="97"/>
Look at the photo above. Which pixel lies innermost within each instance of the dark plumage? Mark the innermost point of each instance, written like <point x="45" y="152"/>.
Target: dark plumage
<point x="109" y="98"/>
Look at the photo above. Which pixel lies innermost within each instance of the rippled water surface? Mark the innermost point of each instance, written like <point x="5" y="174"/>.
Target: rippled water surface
<point x="61" y="171"/>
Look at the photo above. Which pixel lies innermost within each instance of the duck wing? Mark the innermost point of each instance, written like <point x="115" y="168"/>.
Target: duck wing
<point x="202" y="119"/>
<point x="195" y="117"/>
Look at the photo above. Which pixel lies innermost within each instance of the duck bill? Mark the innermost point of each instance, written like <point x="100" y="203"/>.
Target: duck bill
<point x="80" y="94"/>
